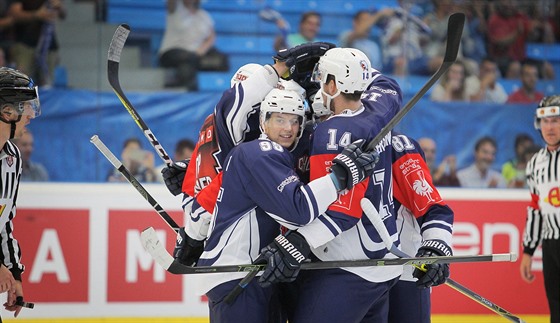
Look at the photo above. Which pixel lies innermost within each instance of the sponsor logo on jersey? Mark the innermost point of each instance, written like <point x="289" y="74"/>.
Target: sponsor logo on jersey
<point x="553" y="197"/>
<point x="290" y="179"/>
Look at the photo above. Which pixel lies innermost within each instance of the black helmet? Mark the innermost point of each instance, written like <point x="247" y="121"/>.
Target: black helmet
<point x="16" y="86"/>
<point x="548" y="107"/>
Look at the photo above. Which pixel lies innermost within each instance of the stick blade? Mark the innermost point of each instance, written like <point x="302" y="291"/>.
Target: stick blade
<point x="155" y="248"/>
<point x="117" y="43"/>
<point x="454" y="32"/>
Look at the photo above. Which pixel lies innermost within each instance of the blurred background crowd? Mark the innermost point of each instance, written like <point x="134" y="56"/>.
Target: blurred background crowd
<point x="475" y="124"/>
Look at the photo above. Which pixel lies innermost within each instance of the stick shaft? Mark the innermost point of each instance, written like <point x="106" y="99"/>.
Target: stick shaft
<point x="113" y="60"/>
<point x="454" y="31"/>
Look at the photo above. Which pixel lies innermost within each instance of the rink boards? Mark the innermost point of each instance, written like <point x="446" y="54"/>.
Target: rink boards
<point x="84" y="261"/>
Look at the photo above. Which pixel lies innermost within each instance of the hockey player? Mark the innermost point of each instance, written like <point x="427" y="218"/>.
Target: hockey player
<point x="19" y="104"/>
<point x="421" y="216"/>
<point x="259" y="191"/>
<point x="543" y="214"/>
<point x="347" y="294"/>
<point x="233" y="121"/>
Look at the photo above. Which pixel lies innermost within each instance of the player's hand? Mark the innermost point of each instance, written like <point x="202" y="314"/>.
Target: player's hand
<point x="187" y="250"/>
<point x="437" y="273"/>
<point x="301" y="59"/>
<point x="7" y="281"/>
<point x="174" y="175"/>
<point x="352" y="166"/>
<point x="283" y="258"/>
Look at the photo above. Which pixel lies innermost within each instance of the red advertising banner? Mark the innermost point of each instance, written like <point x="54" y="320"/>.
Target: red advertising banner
<point x="484" y="227"/>
<point x="84" y="258"/>
<point x="55" y="250"/>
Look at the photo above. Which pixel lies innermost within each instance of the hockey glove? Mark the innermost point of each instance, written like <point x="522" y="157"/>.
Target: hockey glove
<point x="435" y="274"/>
<point x="301" y="59"/>
<point x="283" y="258"/>
<point x="352" y="166"/>
<point x="174" y="175"/>
<point x="187" y="250"/>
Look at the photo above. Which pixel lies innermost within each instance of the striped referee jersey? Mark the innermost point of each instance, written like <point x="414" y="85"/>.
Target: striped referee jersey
<point x="543" y="213"/>
<point x="10" y="170"/>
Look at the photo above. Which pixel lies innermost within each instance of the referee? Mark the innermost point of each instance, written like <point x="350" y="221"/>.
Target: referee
<point x="543" y="214"/>
<point x="19" y="104"/>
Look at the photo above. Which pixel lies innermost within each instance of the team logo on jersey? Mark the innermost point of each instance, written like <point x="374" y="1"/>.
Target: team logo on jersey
<point x="10" y="161"/>
<point x="553" y="197"/>
<point x="416" y="180"/>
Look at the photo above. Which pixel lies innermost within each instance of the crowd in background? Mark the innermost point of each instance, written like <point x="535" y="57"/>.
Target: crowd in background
<point x="405" y="40"/>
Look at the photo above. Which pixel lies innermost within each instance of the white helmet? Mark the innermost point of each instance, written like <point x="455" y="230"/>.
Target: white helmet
<point x="292" y="85"/>
<point x="319" y="108"/>
<point x="548" y="107"/>
<point x="283" y="101"/>
<point x="244" y="72"/>
<point x="350" y="67"/>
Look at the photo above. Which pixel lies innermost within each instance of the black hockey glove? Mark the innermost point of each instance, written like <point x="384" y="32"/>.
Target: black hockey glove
<point x="283" y="258"/>
<point x="437" y="273"/>
<point x="174" y="175"/>
<point x="352" y="165"/>
<point x="187" y="250"/>
<point x="301" y="59"/>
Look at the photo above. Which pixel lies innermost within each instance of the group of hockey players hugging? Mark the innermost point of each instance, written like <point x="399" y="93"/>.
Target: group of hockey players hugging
<point x="277" y="177"/>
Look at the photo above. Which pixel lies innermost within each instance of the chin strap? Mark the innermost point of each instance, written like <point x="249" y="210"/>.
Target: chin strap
<point x="12" y="129"/>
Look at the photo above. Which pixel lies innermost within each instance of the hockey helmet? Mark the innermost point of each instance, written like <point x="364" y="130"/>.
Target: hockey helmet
<point x="244" y="72"/>
<point x="548" y="107"/>
<point x="17" y="92"/>
<point x="350" y="68"/>
<point x="283" y="101"/>
<point x="318" y="106"/>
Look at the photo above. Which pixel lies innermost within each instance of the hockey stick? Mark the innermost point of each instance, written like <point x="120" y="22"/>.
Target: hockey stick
<point x="157" y="250"/>
<point x="454" y="31"/>
<point x="113" y="59"/>
<point x="132" y="180"/>
<point x="375" y="219"/>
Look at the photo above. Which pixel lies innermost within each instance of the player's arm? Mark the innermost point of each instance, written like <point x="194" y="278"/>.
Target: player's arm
<point x="413" y="188"/>
<point x="533" y="225"/>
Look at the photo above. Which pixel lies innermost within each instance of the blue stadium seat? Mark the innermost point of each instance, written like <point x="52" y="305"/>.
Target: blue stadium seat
<point x="213" y="81"/>
<point x="136" y="18"/>
<point x="411" y="84"/>
<point x="510" y="85"/>
<point x="548" y="52"/>
<point x="245" y="44"/>
<point x="242" y="23"/>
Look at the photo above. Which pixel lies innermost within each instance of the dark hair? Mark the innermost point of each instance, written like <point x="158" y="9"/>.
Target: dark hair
<point x="483" y="140"/>
<point x="184" y="144"/>
<point x="131" y="140"/>
<point x="308" y="14"/>
<point x="522" y="137"/>
<point x="357" y="95"/>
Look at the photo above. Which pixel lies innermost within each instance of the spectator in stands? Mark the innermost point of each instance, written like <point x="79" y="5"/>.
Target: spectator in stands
<point x="139" y="162"/>
<point x="309" y="26"/>
<point x="480" y="174"/>
<point x="444" y="174"/>
<point x="437" y="22"/>
<point x="528" y="92"/>
<point x="403" y="45"/>
<point x="508" y="33"/>
<point x="189" y="35"/>
<point x="6" y="23"/>
<point x="452" y="86"/>
<point x="513" y="170"/>
<point x="477" y="26"/>
<point x="360" y="35"/>
<point x="183" y="150"/>
<point x="32" y="171"/>
<point x="485" y="87"/>
<point x="35" y="48"/>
